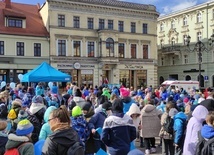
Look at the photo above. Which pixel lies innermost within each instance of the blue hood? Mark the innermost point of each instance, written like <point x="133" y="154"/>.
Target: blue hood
<point x="180" y="115"/>
<point x="207" y="132"/>
<point x="47" y="112"/>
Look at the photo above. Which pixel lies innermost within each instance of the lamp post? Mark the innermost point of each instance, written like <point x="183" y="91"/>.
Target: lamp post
<point x="200" y="47"/>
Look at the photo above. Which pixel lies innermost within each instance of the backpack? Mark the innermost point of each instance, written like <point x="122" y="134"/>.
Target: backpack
<point x="168" y="125"/>
<point x="203" y="145"/>
<point x="3" y="111"/>
<point x="76" y="149"/>
<point x="14" y="151"/>
<point x="12" y="114"/>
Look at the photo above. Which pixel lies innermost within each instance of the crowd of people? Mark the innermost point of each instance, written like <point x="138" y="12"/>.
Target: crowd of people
<point x="100" y="120"/>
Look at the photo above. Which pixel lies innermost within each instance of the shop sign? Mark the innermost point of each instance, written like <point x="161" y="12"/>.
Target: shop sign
<point x="84" y="71"/>
<point x="71" y="66"/>
<point x="77" y="65"/>
<point x="133" y="67"/>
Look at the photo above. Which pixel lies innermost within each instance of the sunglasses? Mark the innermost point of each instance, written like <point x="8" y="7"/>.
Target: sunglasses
<point x="51" y="119"/>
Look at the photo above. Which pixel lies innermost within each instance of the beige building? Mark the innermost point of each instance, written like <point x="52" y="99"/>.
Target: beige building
<point x="175" y="59"/>
<point x="24" y="42"/>
<point x="103" y="41"/>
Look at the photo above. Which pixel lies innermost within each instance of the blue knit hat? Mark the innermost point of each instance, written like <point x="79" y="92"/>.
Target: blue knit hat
<point x="24" y="128"/>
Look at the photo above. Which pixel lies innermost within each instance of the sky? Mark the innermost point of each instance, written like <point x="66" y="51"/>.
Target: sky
<point x="164" y="7"/>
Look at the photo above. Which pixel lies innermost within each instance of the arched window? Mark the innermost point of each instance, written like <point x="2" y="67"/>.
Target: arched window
<point x="161" y="27"/>
<point x="184" y="21"/>
<point x="213" y="81"/>
<point x="161" y="80"/>
<point x="201" y="82"/>
<point x="110" y="47"/>
<point x="173" y="41"/>
<point x="173" y="24"/>
<point x="199" y="17"/>
<point x="188" y="78"/>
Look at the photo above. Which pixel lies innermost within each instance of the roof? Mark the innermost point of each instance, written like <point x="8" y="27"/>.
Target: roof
<point x="117" y="3"/>
<point x="34" y="23"/>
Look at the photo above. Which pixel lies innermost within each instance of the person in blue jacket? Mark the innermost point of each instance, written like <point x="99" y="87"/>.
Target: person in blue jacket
<point x="46" y="130"/>
<point x="179" y="129"/>
<point x="118" y="130"/>
<point x="54" y="89"/>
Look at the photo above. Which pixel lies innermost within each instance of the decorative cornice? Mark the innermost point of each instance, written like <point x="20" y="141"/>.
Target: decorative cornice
<point x="103" y="10"/>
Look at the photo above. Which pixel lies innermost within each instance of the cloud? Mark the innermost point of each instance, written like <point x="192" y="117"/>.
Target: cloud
<point x="177" y="7"/>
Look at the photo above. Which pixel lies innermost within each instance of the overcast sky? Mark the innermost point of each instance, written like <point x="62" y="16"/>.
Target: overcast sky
<point x="163" y="6"/>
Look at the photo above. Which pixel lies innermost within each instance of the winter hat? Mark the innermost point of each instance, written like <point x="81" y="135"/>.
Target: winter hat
<point x="16" y="103"/>
<point x="124" y="92"/>
<point x="37" y="99"/>
<point x="185" y="100"/>
<point x="22" y="115"/>
<point x="24" y="128"/>
<point x="173" y="112"/>
<point x="76" y="111"/>
<point x="107" y="106"/>
<point x="86" y="106"/>
<point x="117" y="106"/>
<point x="3" y="125"/>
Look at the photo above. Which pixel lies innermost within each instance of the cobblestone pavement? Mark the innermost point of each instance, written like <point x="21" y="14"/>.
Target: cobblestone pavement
<point x="158" y="148"/>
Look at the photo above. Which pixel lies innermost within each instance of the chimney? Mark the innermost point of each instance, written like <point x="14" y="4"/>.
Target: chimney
<point x="8" y="4"/>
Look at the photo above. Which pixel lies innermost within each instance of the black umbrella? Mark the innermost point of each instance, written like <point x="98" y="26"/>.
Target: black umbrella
<point x="209" y="104"/>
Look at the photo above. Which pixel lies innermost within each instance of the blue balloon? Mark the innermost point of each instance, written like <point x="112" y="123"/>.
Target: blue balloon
<point x="38" y="147"/>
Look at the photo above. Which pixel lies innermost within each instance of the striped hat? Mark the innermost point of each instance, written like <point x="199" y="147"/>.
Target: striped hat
<point x="24" y="128"/>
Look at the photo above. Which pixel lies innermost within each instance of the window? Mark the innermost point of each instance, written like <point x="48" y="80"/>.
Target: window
<point x="184" y="21"/>
<point x="162" y="61"/>
<point x="90" y="23"/>
<point x="110" y="24"/>
<point x="61" y="20"/>
<point x="161" y="42"/>
<point x="110" y="47"/>
<point x="133" y="51"/>
<point x="213" y="13"/>
<point x="199" y="17"/>
<point x="172" y="24"/>
<point x="37" y="49"/>
<point x="120" y="26"/>
<point x="185" y="59"/>
<point x="199" y="36"/>
<point x="61" y="47"/>
<point x="1" y="47"/>
<point x="101" y="24"/>
<point x="77" y="49"/>
<point x="173" y="41"/>
<point x="90" y="49"/>
<point x="145" y="51"/>
<point x="173" y="60"/>
<point x="133" y="27"/>
<point x="20" y="48"/>
<point x="121" y="50"/>
<point x="76" y="22"/>
<point x="14" y="23"/>
<point x="145" y="28"/>
<point x="185" y="39"/>
<point x="161" y="27"/>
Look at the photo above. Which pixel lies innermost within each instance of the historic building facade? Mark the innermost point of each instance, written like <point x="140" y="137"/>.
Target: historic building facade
<point x="178" y="61"/>
<point x="98" y="41"/>
<point x="24" y="40"/>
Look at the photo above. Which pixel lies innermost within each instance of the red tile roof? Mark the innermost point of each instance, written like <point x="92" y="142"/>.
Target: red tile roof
<point x="34" y="23"/>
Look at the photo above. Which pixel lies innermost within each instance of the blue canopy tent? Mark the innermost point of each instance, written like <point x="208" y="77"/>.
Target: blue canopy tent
<point x="45" y="73"/>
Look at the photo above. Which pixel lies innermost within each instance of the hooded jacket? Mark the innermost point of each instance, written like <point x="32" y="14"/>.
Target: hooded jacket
<point x="79" y="101"/>
<point x="179" y="127"/>
<point x="118" y="133"/>
<point x="15" y="141"/>
<point x="150" y="121"/>
<point x="134" y="109"/>
<point x="127" y="102"/>
<point x="194" y="125"/>
<point x="59" y="142"/>
<point x="207" y="132"/>
<point x="46" y="130"/>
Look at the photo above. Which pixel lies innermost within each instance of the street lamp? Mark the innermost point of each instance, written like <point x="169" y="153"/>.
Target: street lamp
<point x="200" y="47"/>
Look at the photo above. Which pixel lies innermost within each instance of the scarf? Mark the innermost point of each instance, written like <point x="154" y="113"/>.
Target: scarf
<point x="59" y="126"/>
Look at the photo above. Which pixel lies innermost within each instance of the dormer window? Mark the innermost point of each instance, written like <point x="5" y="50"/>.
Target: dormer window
<point x="14" y="22"/>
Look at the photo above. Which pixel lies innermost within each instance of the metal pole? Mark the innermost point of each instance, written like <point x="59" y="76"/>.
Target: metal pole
<point x="199" y="59"/>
